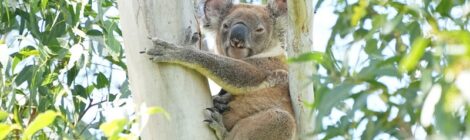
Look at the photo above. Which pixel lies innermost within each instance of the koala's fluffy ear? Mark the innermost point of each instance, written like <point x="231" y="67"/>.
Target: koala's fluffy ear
<point x="210" y="12"/>
<point x="277" y="7"/>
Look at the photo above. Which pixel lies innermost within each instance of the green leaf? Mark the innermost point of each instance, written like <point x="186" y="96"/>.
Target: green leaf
<point x="3" y="115"/>
<point x="414" y="30"/>
<point x="410" y="61"/>
<point x="29" y="52"/>
<point x="331" y="98"/>
<point x="446" y="121"/>
<point x="94" y="33"/>
<point x="378" y="21"/>
<point x="4" y="130"/>
<point x="359" y="12"/>
<point x="444" y="8"/>
<point x="41" y="121"/>
<point x="113" y="128"/>
<point x="456" y="37"/>
<point x="112" y="44"/>
<point x="310" y="56"/>
<point x="360" y="34"/>
<point x="101" y="81"/>
<point x="43" y="4"/>
<point x="80" y="91"/>
<point x="90" y="89"/>
<point x="72" y="74"/>
<point x="157" y="110"/>
<point x="25" y="74"/>
<point x="371" y="47"/>
<point x="49" y="79"/>
<point x="317" y="6"/>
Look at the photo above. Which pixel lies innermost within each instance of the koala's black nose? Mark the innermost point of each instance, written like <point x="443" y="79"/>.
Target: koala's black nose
<point x="238" y="35"/>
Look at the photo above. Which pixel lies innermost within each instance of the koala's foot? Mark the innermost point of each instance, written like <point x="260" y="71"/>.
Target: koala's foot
<point x="214" y="120"/>
<point x="221" y="101"/>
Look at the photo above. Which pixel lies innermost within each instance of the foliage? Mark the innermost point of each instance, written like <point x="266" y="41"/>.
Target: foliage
<point x="60" y="60"/>
<point x="404" y="80"/>
<point x="404" y="83"/>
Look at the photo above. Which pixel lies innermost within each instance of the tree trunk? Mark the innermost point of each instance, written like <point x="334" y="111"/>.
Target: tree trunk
<point x="181" y="92"/>
<point x="299" y="41"/>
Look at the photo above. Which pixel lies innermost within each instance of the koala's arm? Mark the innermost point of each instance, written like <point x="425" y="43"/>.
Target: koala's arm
<point x="235" y="76"/>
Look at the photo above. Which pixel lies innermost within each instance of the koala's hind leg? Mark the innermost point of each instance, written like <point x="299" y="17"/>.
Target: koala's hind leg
<point x="271" y="124"/>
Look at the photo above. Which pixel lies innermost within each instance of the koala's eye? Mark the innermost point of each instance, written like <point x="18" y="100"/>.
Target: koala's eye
<point x="259" y="30"/>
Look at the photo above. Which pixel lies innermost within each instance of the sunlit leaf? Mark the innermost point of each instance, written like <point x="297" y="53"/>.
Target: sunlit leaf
<point x="359" y="12"/>
<point x="3" y="115"/>
<point x="49" y="79"/>
<point x="410" y="61"/>
<point x="311" y="56"/>
<point x="4" y="130"/>
<point x="27" y="53"/>
<point x="44" y="4"/>
<point x="158" y="110"/>
<point x="112" y="129"/>
<point x="455" y="38"/>
<point x="41" y="121"/>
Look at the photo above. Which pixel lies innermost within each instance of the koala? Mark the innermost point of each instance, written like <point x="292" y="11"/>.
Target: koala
<point x="250" y="67"/>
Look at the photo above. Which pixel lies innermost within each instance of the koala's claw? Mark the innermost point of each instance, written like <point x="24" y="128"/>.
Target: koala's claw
<point x="278" y="77"/>
<point x="214" y="121"/>
<point x="221" y="108"/>
<point x="143" y="51"/>
<point x="212" y="115"/>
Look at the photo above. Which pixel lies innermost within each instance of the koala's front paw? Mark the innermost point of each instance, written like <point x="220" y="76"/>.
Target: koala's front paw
<point x="221" y="101"/>
<point x="162" y="50"/>
<point x="214" y="120"/>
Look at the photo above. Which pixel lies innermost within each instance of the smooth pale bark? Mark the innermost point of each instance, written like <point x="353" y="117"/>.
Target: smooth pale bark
<point x="182" y="92"/>
<point x="299" y="41"/>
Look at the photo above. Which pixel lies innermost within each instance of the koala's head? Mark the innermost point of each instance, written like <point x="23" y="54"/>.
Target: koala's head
<point x="244" y="30"/>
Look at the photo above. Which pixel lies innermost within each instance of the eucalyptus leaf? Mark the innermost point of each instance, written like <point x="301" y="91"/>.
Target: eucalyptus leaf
<point x="101" y="81"/>
<point x="311" y="56"/>
<point x="41" y="121"/>
<point x="3" y="115"/>
<point x="4" y="130"/>
<point x="410" y="61"/>
<point x="25" y="74"/>
<point x="113" y="128"/>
